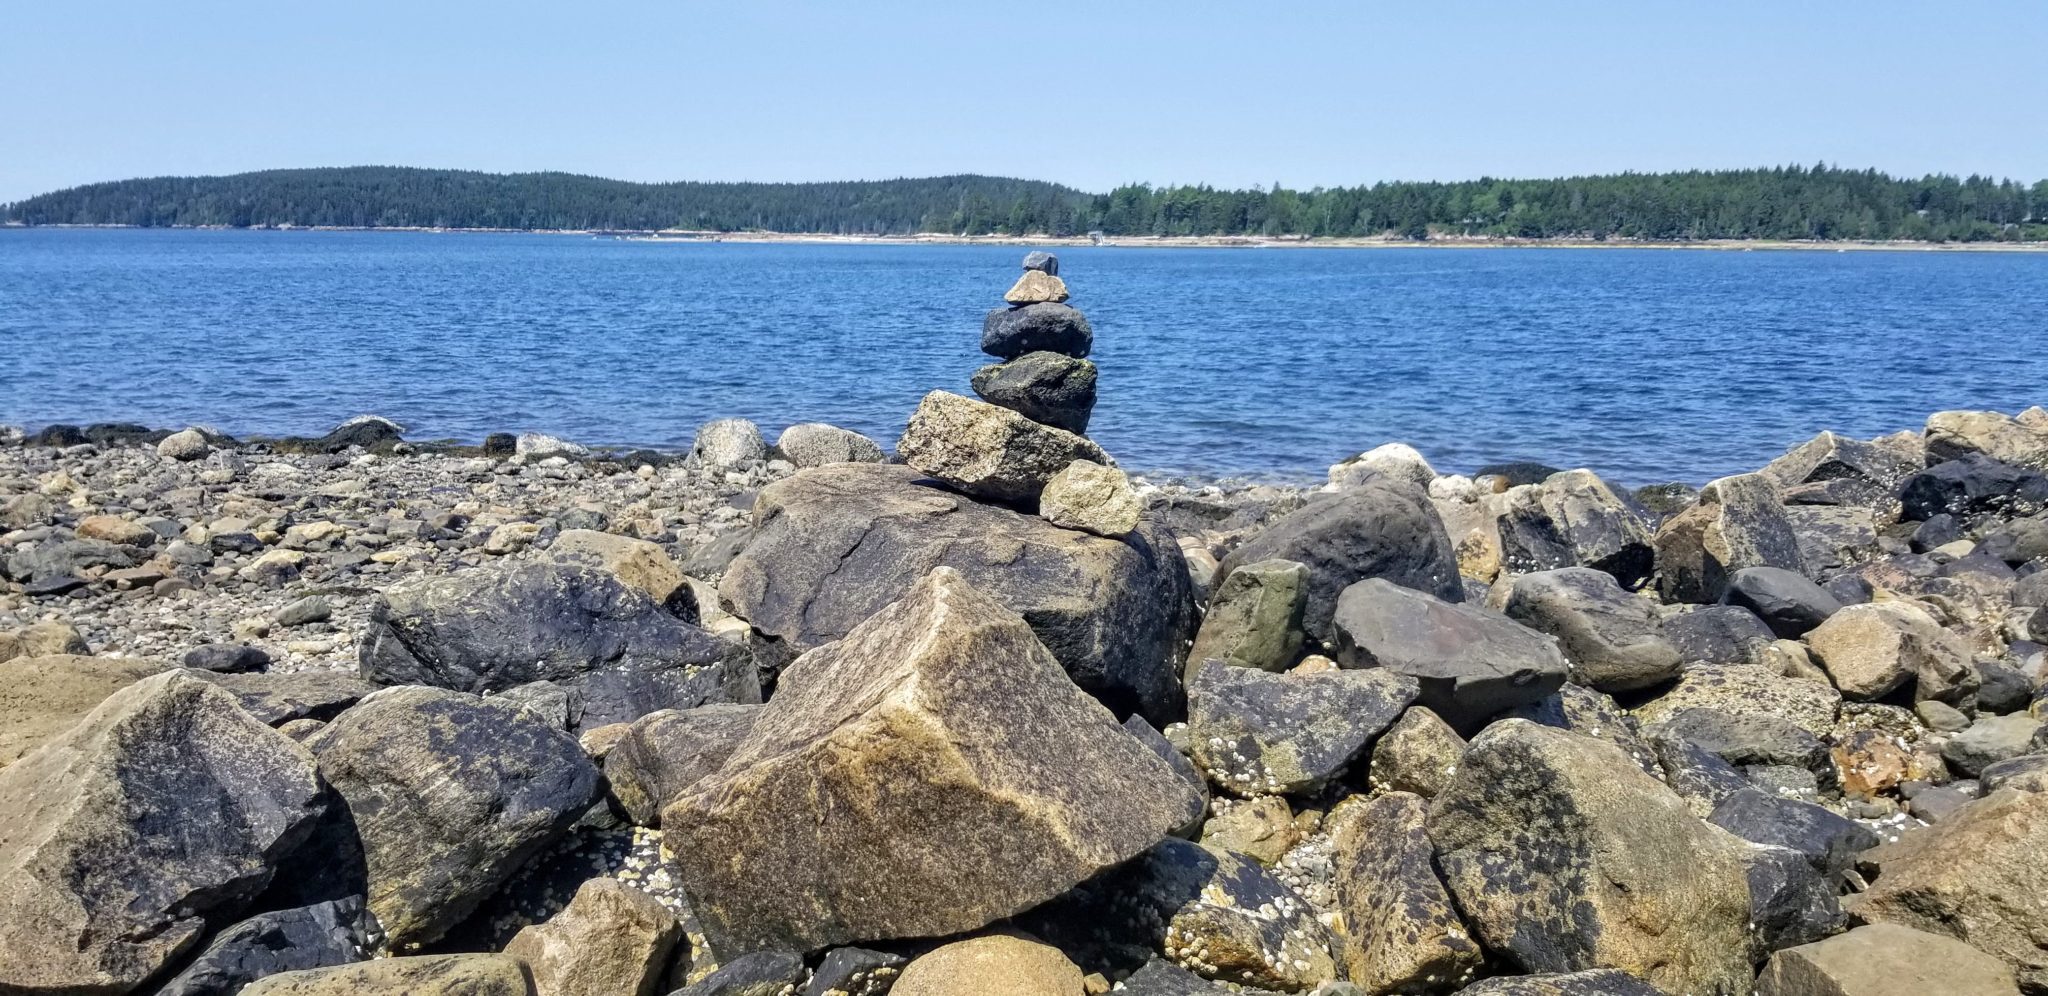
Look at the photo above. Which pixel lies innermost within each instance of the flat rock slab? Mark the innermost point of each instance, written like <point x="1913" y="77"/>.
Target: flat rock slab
<point x="1883" y="959"/>
<point x="931" y="773"/>
<point x="434" y="975"/>
<point x="987" y="450"/>
<point x="1472" y="663"/>
<point x="1256" y="733"/>
<point x="42" y="697"/>
<point x="491" y="628"/>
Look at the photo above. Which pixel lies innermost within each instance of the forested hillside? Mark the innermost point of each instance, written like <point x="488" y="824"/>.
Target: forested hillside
<point x="1791" y="202"/>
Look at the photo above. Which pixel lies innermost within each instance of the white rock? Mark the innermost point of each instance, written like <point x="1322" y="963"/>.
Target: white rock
<point x="189" y="444"/>
<point x="1397" y="460"/>
<point x="728" y="443"/>
<point x="540" y="444"/>
<point x="1091" y="497"/>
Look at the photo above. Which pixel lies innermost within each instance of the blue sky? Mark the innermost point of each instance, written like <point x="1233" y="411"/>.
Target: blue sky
<point x="1091" y="95"/>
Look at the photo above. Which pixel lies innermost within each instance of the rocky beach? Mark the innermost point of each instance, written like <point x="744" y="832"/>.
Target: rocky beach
<point x="977" y="710"/>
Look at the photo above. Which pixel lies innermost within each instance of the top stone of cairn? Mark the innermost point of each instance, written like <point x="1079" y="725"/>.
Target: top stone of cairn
<point x="1042" y="261"/>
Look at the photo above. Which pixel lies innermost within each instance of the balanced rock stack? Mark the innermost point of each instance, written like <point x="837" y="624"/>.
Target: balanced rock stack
<point x="1023" y="443"/>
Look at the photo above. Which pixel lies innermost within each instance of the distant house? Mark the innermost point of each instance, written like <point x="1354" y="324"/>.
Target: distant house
<point x="1096" y="236"/>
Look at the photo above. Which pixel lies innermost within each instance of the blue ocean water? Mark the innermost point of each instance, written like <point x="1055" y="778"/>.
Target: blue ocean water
<point x="1647" y="365"/>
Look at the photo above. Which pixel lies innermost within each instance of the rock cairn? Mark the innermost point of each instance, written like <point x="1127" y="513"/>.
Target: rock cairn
<point x="1024" y="443"/>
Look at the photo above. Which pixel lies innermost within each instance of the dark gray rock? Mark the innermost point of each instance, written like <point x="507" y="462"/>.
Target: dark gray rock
<point x="59" y="435"/>
<point x="65" y="558"/>
<point x="1697" y="774"/>
<point x="2018" y="541"/>
<point x="1749" y="738"/>
<point x="1382" y="528"/>
<point x="1255" y="733"/>
<point x="1787" y="602"/>
<point x="1054" y="328"/>
<point x="1046" y="387"/>
<point x="1575" y="519"/>
<point x="1043" y="261"/>
<point x="488" y="629"/>
<point x="227" y="658"/>
<point x="367" y="431"/>
<point x="449" y="795"/>
<point x="1791" y="901"/>
<point x="1472" y="663"/>
<point x="1828" y="842"/>
<point x="1160" y="977"/>
<point x="318" y="936"/>
<point x="2002" y="688"/>
<point x="1612" y="639"/>
<point x="835" y="544"/>
<point x="1718" y="634"/>
<point x="277" y="699"/>
<point x="855" y="972"/>
<point x="1971" y="487"/>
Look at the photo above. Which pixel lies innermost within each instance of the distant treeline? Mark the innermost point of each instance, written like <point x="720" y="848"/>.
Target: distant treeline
<point x="1789" y="202"/>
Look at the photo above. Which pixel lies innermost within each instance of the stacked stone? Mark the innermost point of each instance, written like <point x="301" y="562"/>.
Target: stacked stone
<point x="1023" y="443"/>
<point x="1046" y="377"/>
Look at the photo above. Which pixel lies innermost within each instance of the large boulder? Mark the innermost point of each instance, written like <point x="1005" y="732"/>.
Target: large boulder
<point x="1402" y="930"/>
<point x="989" y="451"/>
<point x="1971" y="486"/>
<point x="1565" y="856"/>
<point x="430" y="975"/>
<point x="1044" y="387"/>
<point x="1954" y="435"/>
<point x="728" y="444"/>
<point x="319" y="936"/>
<point x="1867" y="473"/>
<point x="1884" y="959"/>
<point x="1977" y="880"/>
<point x="931" y="773"/>
<point x="1737" y="523"/>
<point x="1383" y="528"/>
<point x="1254" y="618"/>
<point x="488" y="629"/>
<point x="42" y="697"/>
<point x="611" y="939"/>
<point x="1471" y="662"/>
<point x="164" y="807"/>
<point x="664" y="753"/>
<point x="449" y="795"/>
<point x="832" y="546"/>
<point x="1871" y="649"/>
<point x="1826" y="841"/>
<point x="1012" y="332"/>
<point x="815" y="444"/>
<point x="1256" y="733"/>
<point x="1613" y="640"/>
<point x="1574" y="519"/>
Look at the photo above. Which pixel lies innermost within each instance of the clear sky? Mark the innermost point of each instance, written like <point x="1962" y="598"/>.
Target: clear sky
<point x="1092" y="95"/>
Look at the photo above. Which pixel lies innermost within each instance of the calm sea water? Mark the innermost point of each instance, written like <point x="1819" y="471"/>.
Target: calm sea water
<point x="1646" y="365"/>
